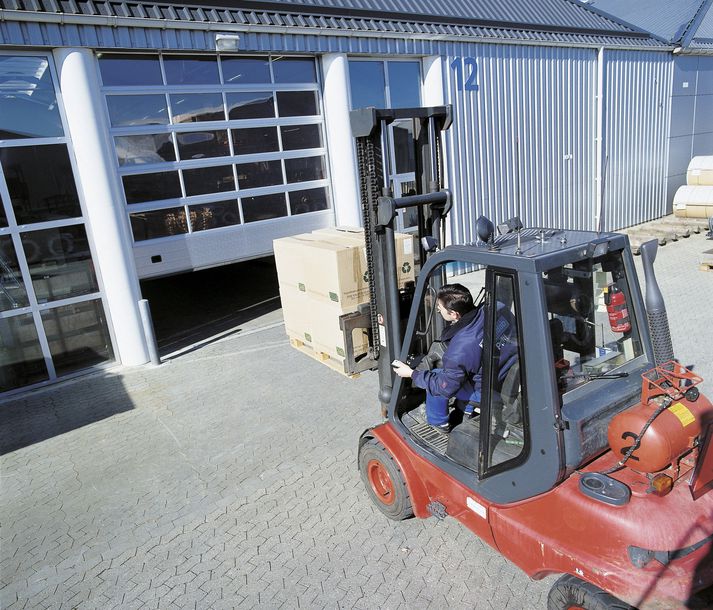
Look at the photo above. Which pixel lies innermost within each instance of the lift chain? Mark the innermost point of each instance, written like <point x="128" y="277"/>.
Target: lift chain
<point x="369" y="173"/>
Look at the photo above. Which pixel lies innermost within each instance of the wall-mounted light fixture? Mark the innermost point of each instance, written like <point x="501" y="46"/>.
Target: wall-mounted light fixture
<point x="227" y="42"/>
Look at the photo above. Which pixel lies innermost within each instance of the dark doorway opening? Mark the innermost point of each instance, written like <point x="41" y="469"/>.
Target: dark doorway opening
<point x="192" y="307"/>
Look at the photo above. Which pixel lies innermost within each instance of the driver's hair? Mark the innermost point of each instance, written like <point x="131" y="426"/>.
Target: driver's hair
<point x="456" y="297"/>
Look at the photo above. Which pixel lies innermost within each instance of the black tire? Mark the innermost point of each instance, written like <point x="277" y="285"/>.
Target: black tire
<point x="569" y="592"/>
<point x="384" y="481"/>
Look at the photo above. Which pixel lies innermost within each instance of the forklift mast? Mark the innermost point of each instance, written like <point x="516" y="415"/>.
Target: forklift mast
<point x="388" y="306"/>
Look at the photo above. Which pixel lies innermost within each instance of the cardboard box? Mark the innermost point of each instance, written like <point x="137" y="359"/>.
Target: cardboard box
<point x="323" y="269"/>
<point x="403" y="244"/>
<point x="296" y="312"/>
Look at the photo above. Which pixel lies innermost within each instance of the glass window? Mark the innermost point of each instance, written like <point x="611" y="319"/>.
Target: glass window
<point x="250" y="105"/>
<point x="260" y="173"/>
<point x="78" y="336"/>
<point x="404" y="154"/>
<point x="255" y="140"/>
<point x="298" y="137"/>
<point x="404" y="84"/>
<point x="202" y="144"/>
<point x="297" y="103"/>
<point x="506" y="431"/>
<point x="242" y="70"/>
<point x="143" y="149"/>
<point x="151" y="187"/>
<point x="158" y="223"/>
<point x="60" y="263"/>
<point x="304" y="169"/>
<point x="194" y="107"/>
<point x="205" y="180"/>
<point x="28" y="104"/>
<point x="3" y="215"/>
<point x="132" y="110"/>
<point x="367" y="84"/>
<point x="294" y="70"/>
<point x="41" y="183"/>
<point x="130" y="70"/>
<point x="12" y="287"/>
<point x="583" y="340"/>
<point x="309" y="200"/>
<point x="21" y="359"/>
<point x="214" y="215"/>
<point x="191" y="70"/>
<point x="264" y="207"/>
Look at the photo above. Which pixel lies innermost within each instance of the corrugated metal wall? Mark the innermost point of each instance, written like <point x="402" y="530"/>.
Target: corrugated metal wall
<point x="636" y="126"/>
<point x="522" y="142"/>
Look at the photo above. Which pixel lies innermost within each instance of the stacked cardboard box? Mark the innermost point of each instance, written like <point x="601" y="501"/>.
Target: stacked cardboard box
<point x="324" y="275"/>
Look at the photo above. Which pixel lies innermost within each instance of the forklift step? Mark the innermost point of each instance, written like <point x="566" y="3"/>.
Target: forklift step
<point x="333" y="362"/>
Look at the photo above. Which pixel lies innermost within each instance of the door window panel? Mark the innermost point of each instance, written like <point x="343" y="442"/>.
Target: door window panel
<point x="12" y="286"/>
<point x="21" y="359"/>
<point x="208" y="180"/>
<point x="294" y="70"/>
<point x="150" y="187"/>
<point x="245" y="70"/>
<point x="366" y="80"/>
<point x="309" y="200"/>
<point x="250" y="105"/>
<point x="214" y="215"/>
<point x="296" y="103"/>
<point x="158" y="223"/>
<point x="260" y="173"/>
<point x="404" y="84"/>
<point x="129" y="70"/>
<point x="506" y="427"/>
<point x="264" y="207"/>
<point x="202" y="144"/>
<point x="195" y="107"/>
<point x="299" y="137"/>
<point x="133" y="110"/>
<point x="41" y="183"/>
<point x="28" y="104"/>
<point x="78" y="336"/>
<point x="191" y="70"/>
<point x="255" y="140"/>
<point x="60" y="263"/>
<point x="144" y="149"/>
<point x="305" y="169"/>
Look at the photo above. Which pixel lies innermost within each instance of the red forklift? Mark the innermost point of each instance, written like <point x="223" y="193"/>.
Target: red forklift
<point x="592" y="455"/>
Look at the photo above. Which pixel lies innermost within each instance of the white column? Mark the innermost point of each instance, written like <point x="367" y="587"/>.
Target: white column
<point x="104" y="208"/>
<point x="433" y="81"/>
<point x="342" y="151"/>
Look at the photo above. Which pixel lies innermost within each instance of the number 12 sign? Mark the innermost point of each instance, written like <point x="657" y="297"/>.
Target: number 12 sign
<point x="466" y="69"/>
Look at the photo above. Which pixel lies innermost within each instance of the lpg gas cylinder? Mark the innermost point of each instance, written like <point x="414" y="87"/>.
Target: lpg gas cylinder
<point x="671" y="434"/>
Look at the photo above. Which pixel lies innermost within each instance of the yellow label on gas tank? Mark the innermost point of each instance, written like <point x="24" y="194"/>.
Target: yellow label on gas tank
<point x="683" y="414"/>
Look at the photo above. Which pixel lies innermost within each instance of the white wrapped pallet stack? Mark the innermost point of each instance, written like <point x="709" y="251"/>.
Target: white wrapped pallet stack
<point x="695" y="199"/>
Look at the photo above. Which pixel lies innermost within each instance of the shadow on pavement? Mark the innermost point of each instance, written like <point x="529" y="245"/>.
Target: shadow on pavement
<point x="42" y="415"/>
<point x="194" y="306"/>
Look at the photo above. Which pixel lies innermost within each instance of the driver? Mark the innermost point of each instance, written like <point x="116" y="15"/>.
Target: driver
<point x="463" y="340"/>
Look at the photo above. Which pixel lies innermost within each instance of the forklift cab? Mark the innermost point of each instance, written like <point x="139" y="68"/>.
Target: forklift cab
<point x="547" y="343"/>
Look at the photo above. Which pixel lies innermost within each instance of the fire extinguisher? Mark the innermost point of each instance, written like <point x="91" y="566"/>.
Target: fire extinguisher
<point x="617" y="309"/>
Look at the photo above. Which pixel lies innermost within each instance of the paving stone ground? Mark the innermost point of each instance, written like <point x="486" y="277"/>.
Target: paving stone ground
<point x="227" y="478"/>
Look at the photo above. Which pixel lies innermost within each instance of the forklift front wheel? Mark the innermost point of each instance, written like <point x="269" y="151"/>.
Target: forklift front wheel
<point x="384" y="481"/>
<point x="571" y="593"/>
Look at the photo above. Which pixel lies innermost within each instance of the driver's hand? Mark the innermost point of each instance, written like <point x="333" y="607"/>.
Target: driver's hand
<point x="402" y="369"/>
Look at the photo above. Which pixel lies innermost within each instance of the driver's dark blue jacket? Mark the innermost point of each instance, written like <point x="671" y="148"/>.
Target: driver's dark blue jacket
<point x="460" y="374"/>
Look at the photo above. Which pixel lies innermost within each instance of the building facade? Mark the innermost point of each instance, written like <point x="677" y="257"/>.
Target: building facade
<point x="142" y="140"/>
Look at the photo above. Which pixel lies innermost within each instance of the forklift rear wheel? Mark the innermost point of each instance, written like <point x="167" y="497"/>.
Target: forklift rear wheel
<point x="571" y="593"/>
<point x="384" y="481"/>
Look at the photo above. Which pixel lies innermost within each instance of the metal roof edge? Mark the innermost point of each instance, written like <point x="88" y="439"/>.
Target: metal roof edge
<point x="618" y="20"/>
<point x="690" y="32"/>
<point x="165" y="24"/>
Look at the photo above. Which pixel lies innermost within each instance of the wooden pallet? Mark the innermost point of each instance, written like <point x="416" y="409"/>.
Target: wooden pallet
<point x="333" y="362"/>
<point x="706" y="266"/>
<point x="706" y="261"/>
